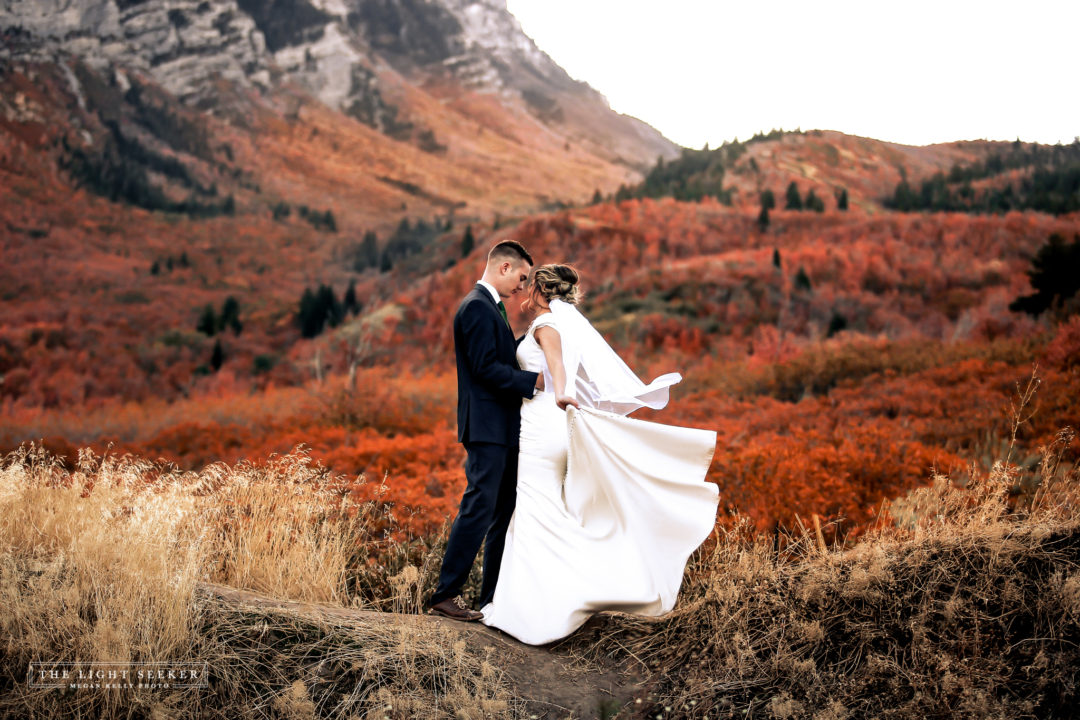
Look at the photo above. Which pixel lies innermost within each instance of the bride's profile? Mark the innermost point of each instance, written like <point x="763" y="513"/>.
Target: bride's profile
<point x="609" y="508"/>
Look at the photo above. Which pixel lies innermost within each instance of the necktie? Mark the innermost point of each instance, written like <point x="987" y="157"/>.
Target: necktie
<point x="502" y="311"/>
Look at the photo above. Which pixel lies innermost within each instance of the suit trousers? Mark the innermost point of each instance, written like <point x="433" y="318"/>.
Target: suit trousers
<point x="483" y="518"/>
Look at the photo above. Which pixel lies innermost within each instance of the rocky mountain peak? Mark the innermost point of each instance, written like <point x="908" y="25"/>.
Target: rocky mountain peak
<point x="346" y="53"/>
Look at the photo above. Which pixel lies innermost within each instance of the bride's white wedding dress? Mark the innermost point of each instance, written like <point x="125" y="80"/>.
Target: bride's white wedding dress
<point x="609" y="508"/>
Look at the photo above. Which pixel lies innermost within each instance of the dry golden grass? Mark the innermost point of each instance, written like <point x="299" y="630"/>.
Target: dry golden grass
<point x="967" y="607"/>
<point x="102" y="563"/>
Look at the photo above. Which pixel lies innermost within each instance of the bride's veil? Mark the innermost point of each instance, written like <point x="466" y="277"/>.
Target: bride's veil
<point x="596" y="375"/>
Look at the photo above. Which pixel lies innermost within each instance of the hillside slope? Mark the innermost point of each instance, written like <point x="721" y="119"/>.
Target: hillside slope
<point x="824" y="163"/>
<point x="358" y="57"/>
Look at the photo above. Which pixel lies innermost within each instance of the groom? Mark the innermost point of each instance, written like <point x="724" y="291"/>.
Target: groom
<point x="490" y="389"/>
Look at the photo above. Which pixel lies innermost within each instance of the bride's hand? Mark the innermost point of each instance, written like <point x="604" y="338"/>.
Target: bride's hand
<point x="563" y="400"/>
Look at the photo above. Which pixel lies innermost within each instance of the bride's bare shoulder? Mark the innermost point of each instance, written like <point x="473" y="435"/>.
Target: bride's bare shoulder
<point x="546" y="331"/>
<point x="542" y="320"/>
<point x="546" y="320"/>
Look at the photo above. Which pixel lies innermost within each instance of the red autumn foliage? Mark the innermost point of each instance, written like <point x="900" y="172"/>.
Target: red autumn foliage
<point x="879" y="348"/>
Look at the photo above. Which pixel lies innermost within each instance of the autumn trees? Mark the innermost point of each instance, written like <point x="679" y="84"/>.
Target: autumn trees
<point x="319" y="308"/>
<point x="839" y="355"/>
<point x="768" y="202"/>
<point x="1055" y="276"/>
<point x="792" y="198"/>
<point x="1045" y="178"/>
<point x="794" y="201"/>
<point x="211" y="323"/>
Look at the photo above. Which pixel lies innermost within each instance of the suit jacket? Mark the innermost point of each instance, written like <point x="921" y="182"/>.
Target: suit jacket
<point x="490" y="384"/>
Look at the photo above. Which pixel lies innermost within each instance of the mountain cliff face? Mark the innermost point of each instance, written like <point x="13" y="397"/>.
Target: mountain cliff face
<point x="353" y="55"/>
<point x="183" y="45"/>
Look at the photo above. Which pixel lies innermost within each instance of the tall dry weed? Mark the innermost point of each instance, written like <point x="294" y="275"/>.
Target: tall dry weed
<point x="283" y="530"/>
<point x="102" y="563"/>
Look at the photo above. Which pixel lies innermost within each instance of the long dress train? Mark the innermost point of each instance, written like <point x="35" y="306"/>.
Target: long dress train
<point x="609" y="509"/>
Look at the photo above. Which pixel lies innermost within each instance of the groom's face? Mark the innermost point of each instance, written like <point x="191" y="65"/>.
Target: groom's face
<point x="511" y="278"/>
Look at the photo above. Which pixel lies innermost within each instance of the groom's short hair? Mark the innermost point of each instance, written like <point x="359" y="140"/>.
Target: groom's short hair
<point x="510" y="250"/>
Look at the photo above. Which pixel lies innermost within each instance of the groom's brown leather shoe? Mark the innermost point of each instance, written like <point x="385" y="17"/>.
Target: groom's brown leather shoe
<point x="455" y="608"/>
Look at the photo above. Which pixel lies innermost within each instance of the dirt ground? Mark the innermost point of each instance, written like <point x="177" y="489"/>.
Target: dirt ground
<point x="554" y="680"/>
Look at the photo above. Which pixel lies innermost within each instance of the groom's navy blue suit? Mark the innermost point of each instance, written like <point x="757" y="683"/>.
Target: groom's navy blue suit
<point x="490" y="389"/>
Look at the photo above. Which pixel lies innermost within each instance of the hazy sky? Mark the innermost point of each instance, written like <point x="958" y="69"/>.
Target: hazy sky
<point x="913" y="72"/>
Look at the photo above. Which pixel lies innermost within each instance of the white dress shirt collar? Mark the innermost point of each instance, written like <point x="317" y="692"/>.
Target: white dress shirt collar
<point x="491" y="289"/>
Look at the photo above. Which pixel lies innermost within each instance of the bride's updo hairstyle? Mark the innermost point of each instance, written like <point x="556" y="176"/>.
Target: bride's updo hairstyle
<point x="555" y="281"/>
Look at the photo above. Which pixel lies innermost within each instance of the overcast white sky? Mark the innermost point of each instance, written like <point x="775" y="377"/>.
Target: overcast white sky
<point x="913" y="72"/>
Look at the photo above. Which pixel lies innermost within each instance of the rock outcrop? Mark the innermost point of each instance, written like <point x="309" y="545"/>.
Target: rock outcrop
<point x="339" y="51"/>
<point x="183" y="44"/>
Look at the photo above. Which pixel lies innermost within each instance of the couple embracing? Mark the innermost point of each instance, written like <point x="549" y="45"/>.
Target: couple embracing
<point x="578" y="507"/>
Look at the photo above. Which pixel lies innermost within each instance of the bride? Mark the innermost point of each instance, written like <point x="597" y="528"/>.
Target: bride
<point x="609" y="508"/>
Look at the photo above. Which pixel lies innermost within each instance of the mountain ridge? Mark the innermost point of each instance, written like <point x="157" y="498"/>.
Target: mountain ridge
<point x="339" y="52"/>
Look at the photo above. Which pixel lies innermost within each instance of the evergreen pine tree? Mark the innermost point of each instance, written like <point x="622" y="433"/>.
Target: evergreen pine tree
<point x="333" y="313"/>
<point x="1054" y="274"/>
<point x="802" y="280"/>
<point x="403" y="232"/>
<point x="793" y="199"/>
<point x="370" y="249"/>
<point x="310" y="317"/>
<point x="318" y="309"/>
<point x="468" y="242"/>
<point x="813" y="202"/>
<point x="350" y="303"/>
<point x="842" y="199"/>
<point x="230" y="315"/>
<point x="208" y="323"/>
<point x="217" y="356"/>
<point x="155" y="269"/>
<point x="836" y="323"/>
<point x="763" y="218"/>
<point x="904" y="199"/>
<point x="776" y="258"/>
<point x="597" y="198"/>
<point x="768" y="200"/>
